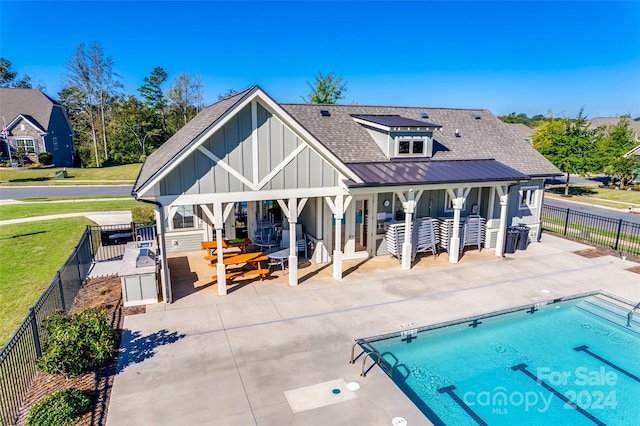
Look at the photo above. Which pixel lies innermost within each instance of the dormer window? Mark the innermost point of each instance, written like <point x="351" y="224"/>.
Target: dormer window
<point x="399" y="136"/>
<point x="411" y="146"/>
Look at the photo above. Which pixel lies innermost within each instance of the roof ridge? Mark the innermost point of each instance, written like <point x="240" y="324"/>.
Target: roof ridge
<point x="381" y="106"/>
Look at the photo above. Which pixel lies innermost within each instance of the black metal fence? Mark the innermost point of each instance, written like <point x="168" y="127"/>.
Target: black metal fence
<point x="603" y="231"/>
<point x="17" y="358"/>
<point x="108" y="242"/>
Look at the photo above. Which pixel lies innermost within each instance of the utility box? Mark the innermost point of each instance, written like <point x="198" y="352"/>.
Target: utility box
<point x="61" y="174"/>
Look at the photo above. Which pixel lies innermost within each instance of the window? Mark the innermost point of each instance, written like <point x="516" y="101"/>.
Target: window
<point x="55" y="143"/>
<point x="411" y="147"/>
<point x="448" y="206"/>
<point x="27" y="144"/>
<point x="183" y="218"/>
<point x="528" y="198"/>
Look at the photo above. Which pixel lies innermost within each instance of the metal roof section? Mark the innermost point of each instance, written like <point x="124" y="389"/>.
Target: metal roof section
<point x="391" y="121"/>
<point x="412" y="172"/>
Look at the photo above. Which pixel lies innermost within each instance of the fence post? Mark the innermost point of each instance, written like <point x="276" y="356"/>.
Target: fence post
<point x="618" y="234"/>
<point x="34" y="330"/>
<point x="64" y="308"/>
<point x="566" y="222"/>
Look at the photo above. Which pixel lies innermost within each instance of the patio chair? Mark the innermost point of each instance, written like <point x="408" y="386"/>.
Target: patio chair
<point x="301" y="239"/>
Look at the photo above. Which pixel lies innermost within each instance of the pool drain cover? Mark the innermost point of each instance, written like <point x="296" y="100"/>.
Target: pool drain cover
<point x="399" y="421"/>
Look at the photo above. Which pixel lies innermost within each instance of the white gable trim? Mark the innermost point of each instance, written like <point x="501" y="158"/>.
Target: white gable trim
<point x="256" y="95"/>
<point x="16" y="120"/>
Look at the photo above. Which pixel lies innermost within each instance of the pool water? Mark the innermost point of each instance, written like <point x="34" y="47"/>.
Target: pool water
<point x="566" y="363"/>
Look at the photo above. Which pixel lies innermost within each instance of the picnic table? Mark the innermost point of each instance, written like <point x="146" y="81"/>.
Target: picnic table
<point x="252" y="259"/>
<point x="240" y="243"/>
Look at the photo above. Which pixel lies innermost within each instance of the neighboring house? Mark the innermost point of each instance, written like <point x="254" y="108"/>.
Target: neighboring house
<point x="612" y="121"/>
<point x="635" y="152"/>
<point x="36" y="123"/>
<point x="341" y="171"/>
<point x="522" y="131"/>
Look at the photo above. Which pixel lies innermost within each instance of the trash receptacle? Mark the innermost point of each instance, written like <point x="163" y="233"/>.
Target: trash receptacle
<point x="523" y="238"/>
<point x="511" y="240"/>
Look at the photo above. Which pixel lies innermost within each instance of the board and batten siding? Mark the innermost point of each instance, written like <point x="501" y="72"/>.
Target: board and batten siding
<point x="233" y="144"/>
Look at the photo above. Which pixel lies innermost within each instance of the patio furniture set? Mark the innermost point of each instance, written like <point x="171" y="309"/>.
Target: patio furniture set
<point x="267" y="238"/>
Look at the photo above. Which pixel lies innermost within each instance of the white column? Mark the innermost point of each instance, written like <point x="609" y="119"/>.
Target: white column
<point x="454" y="247"/>
<point x="165" y="277"/>
<point x="293" y="249"/>
<point x="502" y="230"/>
<point x="221" y="271"/>
<point x="409" y="208"/>
<point x="337" y="252"/>
<point x="458" y="198"/>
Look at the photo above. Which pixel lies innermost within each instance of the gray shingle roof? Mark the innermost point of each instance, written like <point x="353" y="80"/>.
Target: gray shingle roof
<point x="483" y="138"/>
<point x="183" y="137"/>
<point x="31" y="103"/>
<point x="479" y="139"/>
<point x="612" y="121"/>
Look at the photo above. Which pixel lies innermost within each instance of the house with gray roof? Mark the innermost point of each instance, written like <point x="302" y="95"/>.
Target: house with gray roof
<point x="348" y="174"/>
<point x="35" y="123"/>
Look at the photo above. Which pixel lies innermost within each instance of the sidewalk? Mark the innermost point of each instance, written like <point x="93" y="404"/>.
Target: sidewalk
<point x="101" y="218"/>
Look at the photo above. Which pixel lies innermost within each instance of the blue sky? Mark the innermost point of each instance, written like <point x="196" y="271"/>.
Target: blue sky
<point x="507" y="56"/>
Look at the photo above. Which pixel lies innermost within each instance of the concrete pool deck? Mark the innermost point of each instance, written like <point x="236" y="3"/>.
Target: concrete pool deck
<point x="242" y="359"/>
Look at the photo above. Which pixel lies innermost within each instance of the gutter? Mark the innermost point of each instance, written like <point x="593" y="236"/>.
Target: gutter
<point x="164" y="270"/>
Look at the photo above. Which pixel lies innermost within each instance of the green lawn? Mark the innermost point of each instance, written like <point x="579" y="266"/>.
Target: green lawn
<point x="31" y="253"/>
<point x="14" y="211"/>
<point x="593" y="194"/>
<point x="104" y="175"/>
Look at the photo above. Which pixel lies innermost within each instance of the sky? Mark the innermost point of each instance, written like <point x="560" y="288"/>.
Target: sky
<point x="535" y="57"/>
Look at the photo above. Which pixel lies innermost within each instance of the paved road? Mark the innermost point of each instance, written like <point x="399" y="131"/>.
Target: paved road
<point x="586" y="208"/>
<point x="62" y="191"/>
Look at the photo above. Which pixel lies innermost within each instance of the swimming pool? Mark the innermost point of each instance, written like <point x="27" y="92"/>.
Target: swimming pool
<point x="564" y="362"/>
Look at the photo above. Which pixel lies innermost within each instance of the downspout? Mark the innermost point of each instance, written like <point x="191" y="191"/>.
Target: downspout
<point x="164" y="271"/>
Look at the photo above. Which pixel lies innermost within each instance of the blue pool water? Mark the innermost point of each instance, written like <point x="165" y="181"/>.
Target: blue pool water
<point x="571" y="362"/>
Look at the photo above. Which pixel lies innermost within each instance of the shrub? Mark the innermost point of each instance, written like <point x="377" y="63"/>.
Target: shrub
<point x="62" y="408"/>
<point x="45" y="158"/>
<point x="143" y="214"/>
<point x="77" y="343"/>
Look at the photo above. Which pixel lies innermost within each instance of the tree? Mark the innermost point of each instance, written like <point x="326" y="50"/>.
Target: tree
<point x="106" y="84"/>
<point x="91" y="86"/>
<point x="185" y="95"/>
<point x="612" y="142"/>
<point x="623" y="168"/>
<point x="226" y="94"/>
<point x="327" y="89"/>
<point x="153" y="95"/>
<point x="132" y="130"/>
<point x="8" y="78"/>
<point x="567" y="143"/>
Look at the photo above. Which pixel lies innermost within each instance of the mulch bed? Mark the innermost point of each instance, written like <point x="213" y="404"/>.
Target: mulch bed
<point x="102" y="293"/>
<point x="605" y="251"/>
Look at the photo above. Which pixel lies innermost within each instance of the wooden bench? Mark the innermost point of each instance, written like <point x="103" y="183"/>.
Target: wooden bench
<point x="213" y="258"/>
<point x="245" y="273"/>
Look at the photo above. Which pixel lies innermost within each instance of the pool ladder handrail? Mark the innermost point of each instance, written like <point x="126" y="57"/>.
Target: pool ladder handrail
<point x="631" y="312"/>
<point x="363" y="372"/>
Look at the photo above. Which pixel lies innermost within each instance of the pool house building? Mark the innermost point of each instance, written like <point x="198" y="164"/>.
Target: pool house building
<point x="339" y="182"/>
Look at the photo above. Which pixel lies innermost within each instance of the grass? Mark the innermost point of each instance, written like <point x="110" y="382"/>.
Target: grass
<point x="593" y="194"/>
<point x="31" y="254"/>
<point x="15" y="211"/>
<point x="75" y="176"/>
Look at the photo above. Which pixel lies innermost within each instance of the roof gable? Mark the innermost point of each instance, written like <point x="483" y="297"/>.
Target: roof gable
<point x="189" y="138"/>
<point x="28" y="103"/>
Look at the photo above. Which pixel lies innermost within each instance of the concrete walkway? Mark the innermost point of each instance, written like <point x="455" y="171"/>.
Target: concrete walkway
<point x="101" y="218"/>
<point x="270" y="354"/>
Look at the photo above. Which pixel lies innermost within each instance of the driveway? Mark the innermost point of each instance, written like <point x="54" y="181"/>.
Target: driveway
<point x="270" y="354"/>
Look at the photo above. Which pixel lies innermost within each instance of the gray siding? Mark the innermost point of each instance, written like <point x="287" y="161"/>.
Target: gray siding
<point x="233" y="144"/>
